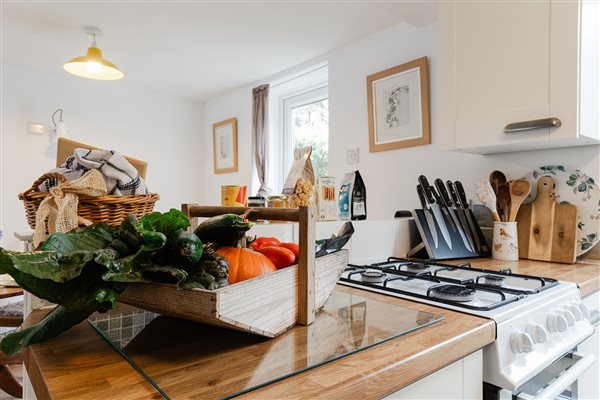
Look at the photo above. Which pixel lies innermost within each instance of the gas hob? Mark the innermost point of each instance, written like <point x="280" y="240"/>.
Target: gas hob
<point x="537" y="319"/>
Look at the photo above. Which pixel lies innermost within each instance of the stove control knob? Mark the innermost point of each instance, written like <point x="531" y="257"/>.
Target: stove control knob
<point x="575" y="310"/>
<point x="538" y="333"/>
<point x="521" y="342"/>
<point x="557" y="323"/>
<point x="568" y="316"/>
<point x="585" y="313"/>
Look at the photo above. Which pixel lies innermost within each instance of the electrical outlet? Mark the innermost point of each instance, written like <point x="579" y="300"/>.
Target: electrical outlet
<point x="35" y="129"/>
<point x="352" y="156"/>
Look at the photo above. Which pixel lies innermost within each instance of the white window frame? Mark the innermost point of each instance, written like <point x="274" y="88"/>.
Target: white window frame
<point x="288" y="86"/>
<point x="309" y="96"/>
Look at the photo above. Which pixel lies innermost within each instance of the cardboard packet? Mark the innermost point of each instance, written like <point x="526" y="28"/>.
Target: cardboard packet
<point x="326" y="199"/>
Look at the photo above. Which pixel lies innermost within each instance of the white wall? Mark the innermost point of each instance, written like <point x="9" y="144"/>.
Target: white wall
<point x="390" y="176"/>
<point x="164" y="131"/>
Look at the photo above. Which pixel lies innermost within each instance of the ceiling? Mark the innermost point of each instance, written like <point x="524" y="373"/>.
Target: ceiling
<point x="194" y="49"/>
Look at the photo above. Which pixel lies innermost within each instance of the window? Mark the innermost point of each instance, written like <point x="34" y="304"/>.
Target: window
<point x="298" y="116"/>
<point x="306" y="123"/>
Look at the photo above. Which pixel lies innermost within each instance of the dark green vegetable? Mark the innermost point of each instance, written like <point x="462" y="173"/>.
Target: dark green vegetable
<point x="85" y="270"/>
<point x="185" y="250"/>
<point x="211" y="273"/>
<point x="226" y="229"/>
<point x="54" y="323"/>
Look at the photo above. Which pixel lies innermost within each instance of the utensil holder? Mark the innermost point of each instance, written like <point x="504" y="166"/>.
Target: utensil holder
<point x="505" y="243"/>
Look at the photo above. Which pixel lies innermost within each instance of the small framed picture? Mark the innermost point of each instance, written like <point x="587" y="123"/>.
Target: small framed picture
<point x="398" y="106"/>
<point x="225" y="146"/>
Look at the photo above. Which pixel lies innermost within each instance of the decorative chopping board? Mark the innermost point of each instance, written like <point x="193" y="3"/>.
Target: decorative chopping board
<point x="547" y="230"/>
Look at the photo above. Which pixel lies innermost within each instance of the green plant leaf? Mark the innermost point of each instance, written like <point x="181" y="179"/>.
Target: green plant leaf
<point x="54" y="323"/>
<point x="586" y="246"/>
<point x="169" y="223"/>
<point x="582" y="187"/>
<point x="93" y="237"/>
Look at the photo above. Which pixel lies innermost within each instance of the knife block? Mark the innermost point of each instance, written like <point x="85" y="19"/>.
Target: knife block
<point x="443" y="251"/>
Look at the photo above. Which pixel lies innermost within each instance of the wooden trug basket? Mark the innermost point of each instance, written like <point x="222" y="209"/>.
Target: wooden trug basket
<point x="267" y="305"/>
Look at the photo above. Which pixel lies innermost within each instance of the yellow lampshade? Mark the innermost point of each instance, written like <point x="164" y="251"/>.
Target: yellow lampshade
<point x="93" y="66"/>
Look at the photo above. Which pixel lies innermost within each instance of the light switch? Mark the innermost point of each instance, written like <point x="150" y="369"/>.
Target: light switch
<point x="352" y="156"/>
<point x="35" y="129"/>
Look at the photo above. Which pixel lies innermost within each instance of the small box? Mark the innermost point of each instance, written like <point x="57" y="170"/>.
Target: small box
<point x="326" y="199"/>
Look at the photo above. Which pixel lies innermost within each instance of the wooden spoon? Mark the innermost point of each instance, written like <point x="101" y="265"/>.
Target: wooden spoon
<point x="504" y="201"/>
<point x="519" y="190"/>
<point x="486" y="195"/>
<point x="497" y="179"/>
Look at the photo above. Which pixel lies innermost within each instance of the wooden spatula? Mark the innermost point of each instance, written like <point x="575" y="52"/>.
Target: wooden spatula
<point x="519" y="190"/>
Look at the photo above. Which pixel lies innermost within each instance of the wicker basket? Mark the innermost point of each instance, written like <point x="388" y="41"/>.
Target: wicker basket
<point x="109" y="209"/>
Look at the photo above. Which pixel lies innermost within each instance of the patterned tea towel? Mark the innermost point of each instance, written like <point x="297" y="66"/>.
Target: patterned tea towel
<point x="58" y="211"/>
<point x="120" y="176"/>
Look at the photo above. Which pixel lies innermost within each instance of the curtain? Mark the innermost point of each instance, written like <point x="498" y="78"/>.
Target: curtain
<point x="260" y="135"/>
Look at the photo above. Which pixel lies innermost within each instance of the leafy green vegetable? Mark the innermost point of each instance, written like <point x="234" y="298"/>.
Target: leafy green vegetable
<point x="93" y="237"/>
<point x="85" y="270"/>
<point x="168" y="224"/>
<point x="54" y="323"/>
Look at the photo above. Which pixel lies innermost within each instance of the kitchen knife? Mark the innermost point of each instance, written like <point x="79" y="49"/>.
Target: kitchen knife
<point x="465" y="205"/>
<point x="435" y="208"/>
<point x="439" y="184"/>
<point x="428" y="217"/>
<point x="461" y="213"/>
<point x="439" y="199"/>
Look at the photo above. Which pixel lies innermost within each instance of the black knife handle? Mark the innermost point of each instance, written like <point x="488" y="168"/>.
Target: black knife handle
<point x="426" y="189"/>
<point x="437" y="197"/>
<point x="461" y="194"/>
<point x="439" y="184"/>
<point x="452" y="190"/>
<point x="421" y="194"/>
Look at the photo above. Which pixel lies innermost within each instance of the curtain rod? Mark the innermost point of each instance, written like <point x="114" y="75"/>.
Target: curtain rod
<point x="316" y="68"/>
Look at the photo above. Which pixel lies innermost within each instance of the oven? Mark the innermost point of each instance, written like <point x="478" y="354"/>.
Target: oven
<point x="546" y="337"/>
<point x="574" y="375"/>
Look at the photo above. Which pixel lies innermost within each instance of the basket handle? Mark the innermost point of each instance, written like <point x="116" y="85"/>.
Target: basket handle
<point x="41" y="179"/>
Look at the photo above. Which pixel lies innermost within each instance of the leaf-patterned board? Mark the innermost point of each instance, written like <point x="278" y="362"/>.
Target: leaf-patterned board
<point x="573" y="186"/>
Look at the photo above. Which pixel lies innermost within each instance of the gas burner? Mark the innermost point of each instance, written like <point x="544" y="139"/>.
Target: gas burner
<point x="494" y="280"/>
<point x="373" y="276"/>
<point x="452" y="293"/>
<point x="416" y="267"/>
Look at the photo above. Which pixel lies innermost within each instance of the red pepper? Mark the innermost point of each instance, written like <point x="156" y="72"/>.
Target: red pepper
<point x="264" y="242"/>
<point x="280" y="256"/>
<point x="293" y="247"/>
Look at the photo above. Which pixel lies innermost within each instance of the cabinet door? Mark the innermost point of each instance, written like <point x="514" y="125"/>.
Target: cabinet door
<point x="502" y="71"/>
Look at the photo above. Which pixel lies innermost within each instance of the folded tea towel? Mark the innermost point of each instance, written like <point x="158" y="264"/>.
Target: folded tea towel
<point x="120" y="176"/>
<point x="58" y="211"/>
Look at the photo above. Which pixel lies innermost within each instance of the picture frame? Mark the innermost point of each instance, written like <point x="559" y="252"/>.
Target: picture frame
<point x="225" y="146"/>
<point x="398" y="106"/>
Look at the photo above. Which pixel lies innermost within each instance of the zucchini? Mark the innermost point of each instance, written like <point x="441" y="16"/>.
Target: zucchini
<point x="226" y="229"/>
<point x="185" y="250"/>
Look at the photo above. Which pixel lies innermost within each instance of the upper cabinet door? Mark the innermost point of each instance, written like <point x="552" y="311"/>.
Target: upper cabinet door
<point x="505" y="62"/>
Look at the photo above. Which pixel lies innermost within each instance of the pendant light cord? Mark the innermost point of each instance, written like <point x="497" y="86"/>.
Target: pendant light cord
<point x="60" y="120"/>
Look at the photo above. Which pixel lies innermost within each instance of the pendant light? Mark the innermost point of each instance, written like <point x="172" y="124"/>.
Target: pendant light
<point x="93" y="65"/>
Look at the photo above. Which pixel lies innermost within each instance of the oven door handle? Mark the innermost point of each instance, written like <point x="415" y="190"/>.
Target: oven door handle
<point x="565" y="380"/>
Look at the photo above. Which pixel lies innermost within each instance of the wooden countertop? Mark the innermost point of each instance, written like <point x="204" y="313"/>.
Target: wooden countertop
<point x="585" y="275"/>
<point x="80" y="364"/>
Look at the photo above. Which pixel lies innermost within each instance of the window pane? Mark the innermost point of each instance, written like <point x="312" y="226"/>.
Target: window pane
<point x="310" y="126"/>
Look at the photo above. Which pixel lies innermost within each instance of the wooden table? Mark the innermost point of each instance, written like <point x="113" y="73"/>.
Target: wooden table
<point x="6" y="292"/>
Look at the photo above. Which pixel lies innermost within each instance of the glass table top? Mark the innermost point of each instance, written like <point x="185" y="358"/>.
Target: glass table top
<point x="184" y="359"/>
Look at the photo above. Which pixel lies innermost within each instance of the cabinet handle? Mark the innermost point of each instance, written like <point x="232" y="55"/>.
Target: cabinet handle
<point x="551" y="122"/>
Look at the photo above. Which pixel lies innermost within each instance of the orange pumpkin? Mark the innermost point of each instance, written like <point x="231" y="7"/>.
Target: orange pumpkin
<point x="245" y="263"/>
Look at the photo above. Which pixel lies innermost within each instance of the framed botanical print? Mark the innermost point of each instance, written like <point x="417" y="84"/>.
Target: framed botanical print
<point x="225" y="146"/>
<point x="398" y="106"/>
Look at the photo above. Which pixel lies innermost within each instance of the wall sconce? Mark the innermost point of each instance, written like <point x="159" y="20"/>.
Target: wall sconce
<point x="60" y="128"/>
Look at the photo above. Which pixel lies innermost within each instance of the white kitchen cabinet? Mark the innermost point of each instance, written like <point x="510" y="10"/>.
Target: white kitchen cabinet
<point x="503" y="62"/>
<point x="588" y="385"/>
<point x="460" y="380"/>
